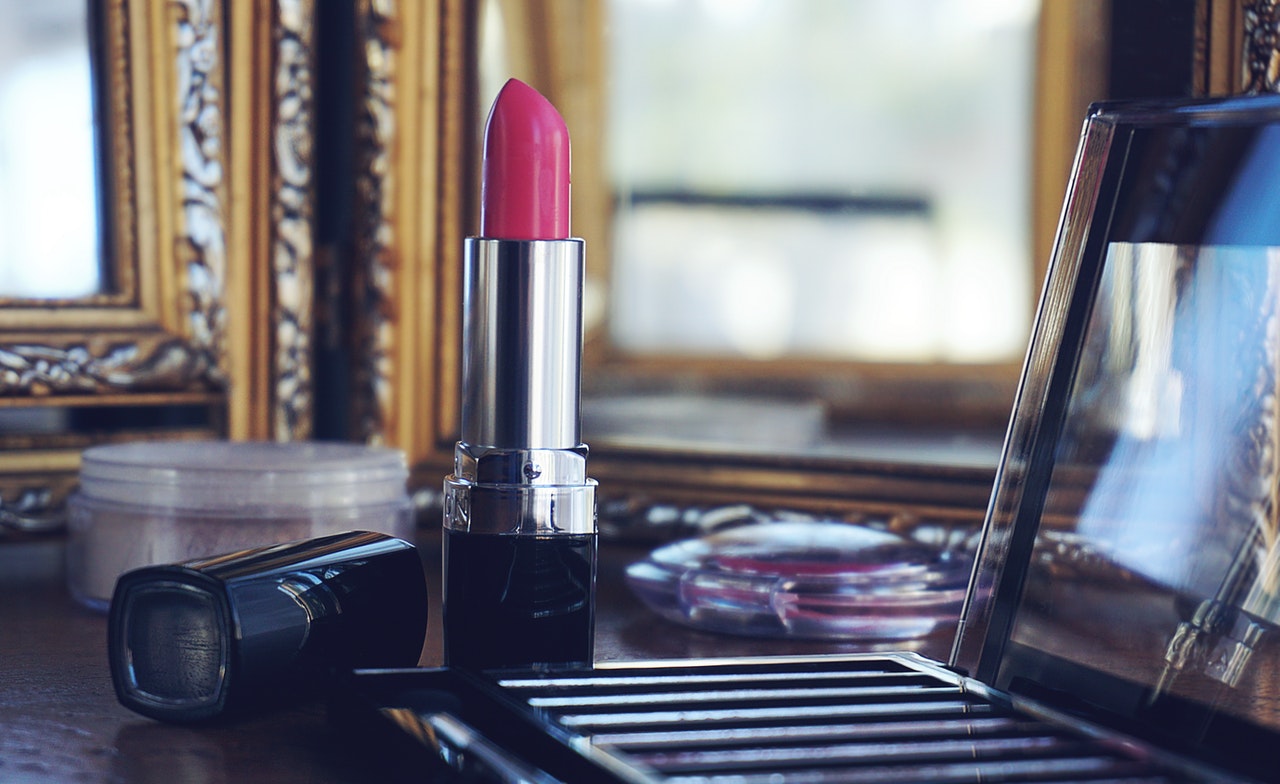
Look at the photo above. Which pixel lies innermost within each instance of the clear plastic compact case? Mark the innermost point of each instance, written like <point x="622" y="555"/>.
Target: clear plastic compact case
<point x="808" y="579"/>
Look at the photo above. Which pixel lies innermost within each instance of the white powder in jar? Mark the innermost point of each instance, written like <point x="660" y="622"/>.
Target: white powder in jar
<point x="153" y="503"/>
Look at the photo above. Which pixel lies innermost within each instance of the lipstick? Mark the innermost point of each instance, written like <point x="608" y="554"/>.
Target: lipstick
<point x="520" y="514"/>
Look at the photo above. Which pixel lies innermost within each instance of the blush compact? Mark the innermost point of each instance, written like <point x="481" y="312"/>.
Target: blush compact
<point x="810" y="579"/>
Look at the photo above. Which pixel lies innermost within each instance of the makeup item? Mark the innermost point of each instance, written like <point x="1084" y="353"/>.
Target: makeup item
<point x="807" y="579"/>
<point x="520" y="512"/>
<point x="236" y="632"/>
<point x="886" y="718"/>
<point x="524" y="188"/>
<point x="165" y="502"/>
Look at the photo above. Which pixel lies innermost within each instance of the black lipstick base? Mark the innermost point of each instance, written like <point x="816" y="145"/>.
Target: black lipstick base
<point x="518" y="600"/>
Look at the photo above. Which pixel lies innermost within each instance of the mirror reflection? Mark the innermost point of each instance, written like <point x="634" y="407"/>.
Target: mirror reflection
<point x="1158" y="556"/>
<point x="49" y="240"/>
<point x="820" y="179"/>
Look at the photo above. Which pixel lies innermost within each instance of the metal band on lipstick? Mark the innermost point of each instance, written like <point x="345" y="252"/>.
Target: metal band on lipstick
<point x="520" y="466"/>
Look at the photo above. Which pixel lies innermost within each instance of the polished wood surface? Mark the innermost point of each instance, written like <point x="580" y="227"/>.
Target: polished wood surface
<point x="59" y="719"/>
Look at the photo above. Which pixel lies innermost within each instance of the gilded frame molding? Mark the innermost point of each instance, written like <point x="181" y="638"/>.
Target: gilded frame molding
<point x="163" y="328"/>
<point x="1259" y="29"/>
<point x="272" y="73"/>
<point x="414" y="142"/>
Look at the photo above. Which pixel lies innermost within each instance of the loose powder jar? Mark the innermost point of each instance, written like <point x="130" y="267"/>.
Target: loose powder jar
<point x="153" y="503"/>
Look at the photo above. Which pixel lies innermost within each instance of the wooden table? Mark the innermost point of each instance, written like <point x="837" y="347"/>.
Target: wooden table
<point x="60" y="722"/>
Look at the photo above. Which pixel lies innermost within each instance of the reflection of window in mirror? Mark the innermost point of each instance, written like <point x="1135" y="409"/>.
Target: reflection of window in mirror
<point x="795" y="179"/>
<point x="48" y="191"/>
<point x="824" y="204"/>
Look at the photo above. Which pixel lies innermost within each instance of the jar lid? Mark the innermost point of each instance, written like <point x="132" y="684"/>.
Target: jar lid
<point x="230" y="476"/>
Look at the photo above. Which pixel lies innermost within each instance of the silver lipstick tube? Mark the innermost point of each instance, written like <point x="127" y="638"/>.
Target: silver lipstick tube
<point x="521" y="466"/>
<point x="522" y="343"/>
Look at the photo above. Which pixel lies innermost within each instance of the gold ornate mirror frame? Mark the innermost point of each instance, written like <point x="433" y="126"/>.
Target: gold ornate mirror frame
<point x="163" y="326"/>
<point x="272" y="271"/>
<point x="210" y="258"/>
<point x="159" y="335"/>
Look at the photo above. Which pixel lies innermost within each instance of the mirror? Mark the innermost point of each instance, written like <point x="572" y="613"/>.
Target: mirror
<point x="422" y="95"/>
<point x="423" y="89"/>
<point x="794" y="180"/>
<point x="49" y="237"/>
<point x="812" y="226"/>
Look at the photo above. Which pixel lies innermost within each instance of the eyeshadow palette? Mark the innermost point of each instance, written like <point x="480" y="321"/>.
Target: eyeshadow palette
<point x="1122" y="620"/>
<point x="873" y="718"/>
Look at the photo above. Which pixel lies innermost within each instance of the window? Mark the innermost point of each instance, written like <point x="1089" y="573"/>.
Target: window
<point x="821" y="179"/>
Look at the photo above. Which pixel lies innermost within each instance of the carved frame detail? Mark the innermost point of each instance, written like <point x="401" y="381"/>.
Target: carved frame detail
<point x="273" y="75"/>
<point x="414" y="137"/>
<point x="292" y="216"/>
<point x="162" y="328"/>
<point x="375" y="232"/>
<point x="1261" y="45"/>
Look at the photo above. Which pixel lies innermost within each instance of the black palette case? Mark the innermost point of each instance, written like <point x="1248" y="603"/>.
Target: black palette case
<point x="1121" y="622"/>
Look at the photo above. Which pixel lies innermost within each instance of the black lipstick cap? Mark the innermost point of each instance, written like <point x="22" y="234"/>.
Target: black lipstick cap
<point x="243" y="631"/>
